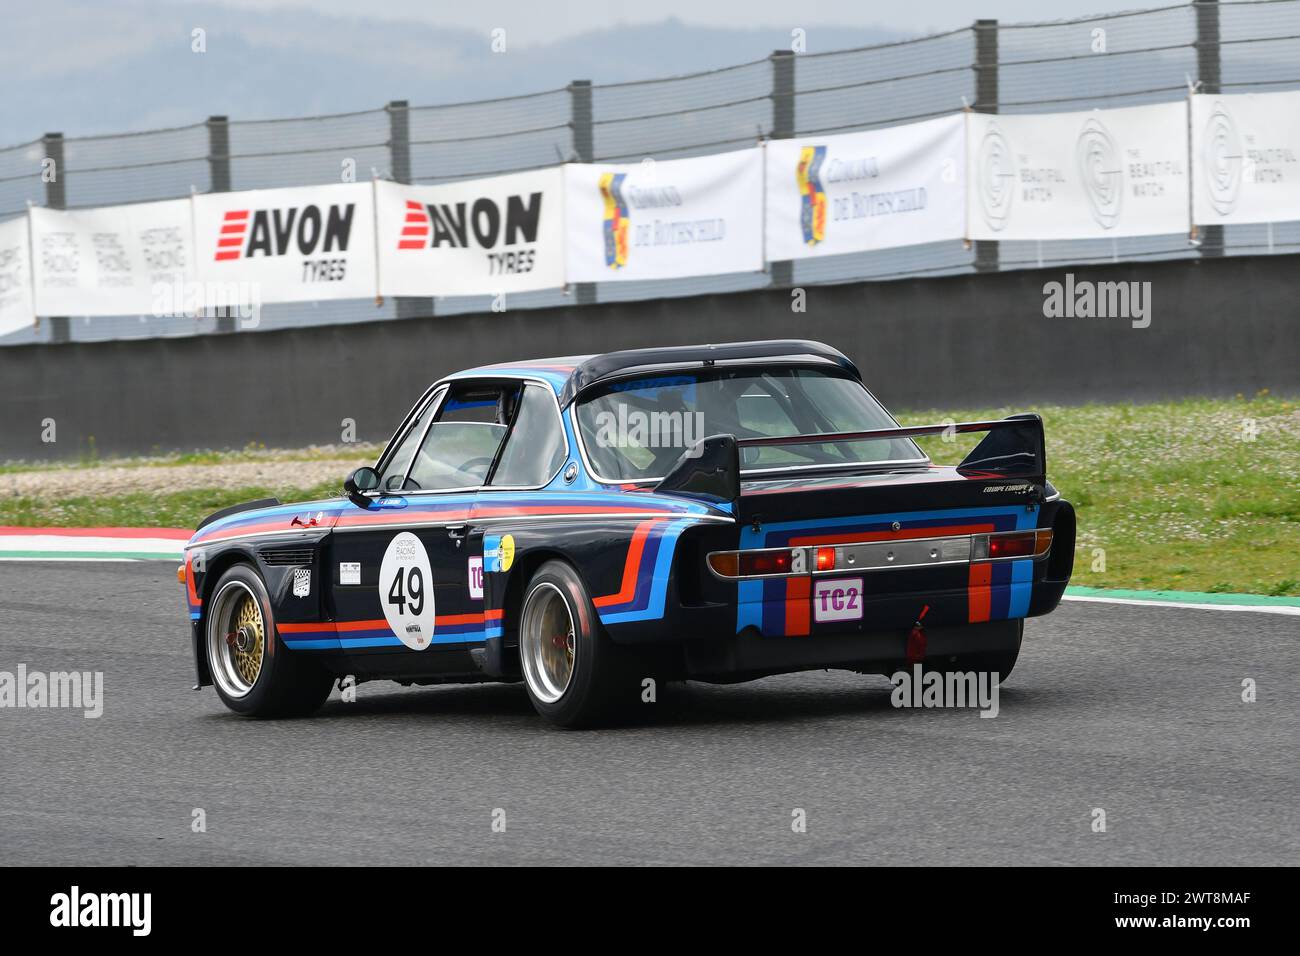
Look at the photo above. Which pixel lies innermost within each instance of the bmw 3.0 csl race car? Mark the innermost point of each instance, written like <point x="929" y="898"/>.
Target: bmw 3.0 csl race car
<point x="717" y="513"/>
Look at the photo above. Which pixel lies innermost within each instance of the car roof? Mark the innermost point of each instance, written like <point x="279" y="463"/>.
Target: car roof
<point x="573" y="374"/>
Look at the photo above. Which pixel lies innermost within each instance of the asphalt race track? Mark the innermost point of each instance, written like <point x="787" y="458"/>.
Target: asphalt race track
<point x="1134" y="710"/>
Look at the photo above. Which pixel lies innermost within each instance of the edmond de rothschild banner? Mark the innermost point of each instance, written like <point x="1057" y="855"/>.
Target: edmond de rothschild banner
<point x="898" y="186"/>
<point x="664" y="219"/>
<point x="477" y="237"/>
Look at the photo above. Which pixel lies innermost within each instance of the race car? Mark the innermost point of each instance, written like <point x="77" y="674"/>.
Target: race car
<point x="590" y="525"/>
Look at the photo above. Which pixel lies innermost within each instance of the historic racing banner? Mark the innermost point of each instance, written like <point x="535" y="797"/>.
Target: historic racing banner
<point x="1244" y="158"/>
<point x="286" y="245"/>
<point x="664" y="219"/>
<point x="112" y="260"/>
<point x="1087" y="175"/>
<point x="476" y="237"/>
<point x="898" y="186"/>
<point x="16" y="311"/>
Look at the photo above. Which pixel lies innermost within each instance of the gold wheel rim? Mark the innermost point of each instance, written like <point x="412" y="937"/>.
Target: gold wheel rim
<point x="248" y="621"/>
<point x="237" y="635"/>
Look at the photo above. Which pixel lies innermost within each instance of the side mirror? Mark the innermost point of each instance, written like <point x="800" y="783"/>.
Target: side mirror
<point x="358" y="483"/>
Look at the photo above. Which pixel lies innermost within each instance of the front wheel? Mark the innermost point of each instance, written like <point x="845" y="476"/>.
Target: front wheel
<point x="253" y="672"/>
<point x="575" y="675"/>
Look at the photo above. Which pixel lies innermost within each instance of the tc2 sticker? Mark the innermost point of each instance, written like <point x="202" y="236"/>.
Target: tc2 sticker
<point x="476" y="578"/>
<point x="498" y="552"/>
<point x="839" y="599"/>
<point x="406" y="591"/>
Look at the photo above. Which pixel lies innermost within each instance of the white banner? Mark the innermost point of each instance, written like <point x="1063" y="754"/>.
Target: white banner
<point x="1089" y="175"/>
<point x="664" y="219"/>
<point x="113" y="260"/>
<point x="16" y="311"/>
<point x="1246" y="158"/>
<point x="478" y="237"/>
<point x="287" y="245"/>
<point x="873" y="190"/>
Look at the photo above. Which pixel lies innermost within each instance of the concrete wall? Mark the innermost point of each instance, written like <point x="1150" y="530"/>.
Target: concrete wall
<point x="1219" y="327"/>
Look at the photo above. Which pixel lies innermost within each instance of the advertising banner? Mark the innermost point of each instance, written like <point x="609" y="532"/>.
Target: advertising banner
<point x="664" y="219"/>
<point x="890" y="187"/>
<point x="16" y="311"/>
<point x="1087" y="175"/>
<point x="477" y="237"/>
<point x="287" y="245"/>
<point x="113" y="260"/>
<point x="1244" y="158"/>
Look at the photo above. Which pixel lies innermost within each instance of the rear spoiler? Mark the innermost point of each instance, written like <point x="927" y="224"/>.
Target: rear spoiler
<point x="1015" y="447"/>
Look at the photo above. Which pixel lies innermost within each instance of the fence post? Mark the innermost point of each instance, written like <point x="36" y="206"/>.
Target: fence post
<point x="399" y="153"/>
<point x="219" y="153"/>
<point x="782" y="272"/>
<point x="584" y="149"/>
<point x="1211" y="76"/>
<point x="986" y="101"/>
<point x="219" y="175"/>
<point x="56" y="197"/>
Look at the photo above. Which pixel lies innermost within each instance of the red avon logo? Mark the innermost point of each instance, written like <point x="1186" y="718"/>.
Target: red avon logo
<point x="277" y="232"/>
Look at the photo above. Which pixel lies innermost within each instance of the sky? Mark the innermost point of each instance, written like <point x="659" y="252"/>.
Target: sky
<point x="543" y="21"/>
<point x="87" y="67"/>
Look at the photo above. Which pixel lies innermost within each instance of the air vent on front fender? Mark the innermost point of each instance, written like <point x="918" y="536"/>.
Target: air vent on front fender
<point x="286" y="557"/>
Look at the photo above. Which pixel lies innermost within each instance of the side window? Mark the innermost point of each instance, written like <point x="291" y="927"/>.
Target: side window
<point x="463" y="439"/>
<point x="405" y="444"/>
<point x="535" y="449"/>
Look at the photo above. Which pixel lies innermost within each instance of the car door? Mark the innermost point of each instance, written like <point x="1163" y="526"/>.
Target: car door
<point x="407" y="575"/>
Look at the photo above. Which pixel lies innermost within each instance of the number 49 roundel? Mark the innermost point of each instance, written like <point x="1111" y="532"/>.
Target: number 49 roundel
<point x="406" y="591"/>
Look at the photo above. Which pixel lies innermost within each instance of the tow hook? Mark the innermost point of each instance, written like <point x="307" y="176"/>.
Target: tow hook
<point x="916" y="639"/>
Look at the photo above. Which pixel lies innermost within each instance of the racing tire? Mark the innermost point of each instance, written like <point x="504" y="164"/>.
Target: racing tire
<point x="575" y="675"/>
<point x="254" y="673"/>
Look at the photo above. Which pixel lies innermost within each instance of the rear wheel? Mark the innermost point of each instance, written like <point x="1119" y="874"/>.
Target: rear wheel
<point x="253" y="672"/>
<point x="575" y="675"/>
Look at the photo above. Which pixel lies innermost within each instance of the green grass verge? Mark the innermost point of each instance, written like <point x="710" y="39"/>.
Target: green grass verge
<point x="1195" y="495"/>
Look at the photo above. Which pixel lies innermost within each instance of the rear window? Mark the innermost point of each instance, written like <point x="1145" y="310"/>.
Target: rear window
<point x="635" y="430"/>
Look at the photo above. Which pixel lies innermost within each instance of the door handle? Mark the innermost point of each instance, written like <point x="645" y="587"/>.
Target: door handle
<point x="457" y="533"/>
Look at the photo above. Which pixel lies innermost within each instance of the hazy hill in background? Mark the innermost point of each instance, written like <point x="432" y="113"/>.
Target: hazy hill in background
<point x="82" y="67"/>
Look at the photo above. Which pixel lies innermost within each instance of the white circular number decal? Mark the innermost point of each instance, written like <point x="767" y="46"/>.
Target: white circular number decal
<point x="406" y="591"/>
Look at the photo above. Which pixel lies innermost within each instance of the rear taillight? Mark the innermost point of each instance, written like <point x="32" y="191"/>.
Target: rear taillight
<point x="1011" y="544"/>
<point x="825" y="559"/>
<point x="744" y="564"/>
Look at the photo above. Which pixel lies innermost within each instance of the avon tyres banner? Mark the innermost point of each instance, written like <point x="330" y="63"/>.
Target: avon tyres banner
<point x="16" y="310"/>
<point x="1086" y="175"/>
<point x="287" y="245"/>
<point x="900" y="186"/>
<point x="478" y="237"/>
<point x="1246" y="158"/>
<point x="664" y="219"/>
<point x="112" y="260"/>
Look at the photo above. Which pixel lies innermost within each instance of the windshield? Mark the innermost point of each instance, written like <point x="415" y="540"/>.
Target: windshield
<point x="636" y="430"/>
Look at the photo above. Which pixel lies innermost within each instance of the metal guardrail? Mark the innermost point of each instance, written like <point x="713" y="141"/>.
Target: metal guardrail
<point x="1149" y="56"/>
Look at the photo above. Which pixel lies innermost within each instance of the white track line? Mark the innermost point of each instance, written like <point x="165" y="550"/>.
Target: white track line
<point x="1259" y="608"/>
